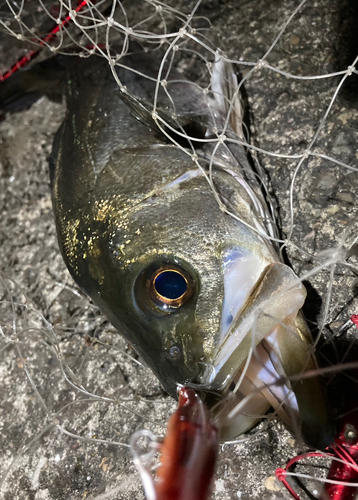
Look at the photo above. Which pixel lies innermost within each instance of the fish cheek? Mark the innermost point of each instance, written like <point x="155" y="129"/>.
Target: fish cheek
<point x="161" y="338"/>
<point x="187" y="336"/>
<point x="168" y="348"/>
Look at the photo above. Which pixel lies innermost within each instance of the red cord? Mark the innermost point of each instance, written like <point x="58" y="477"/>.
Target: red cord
<point x="24" y="60"/>
<point x="281" y="473"/>
<point x="354" y="319"/>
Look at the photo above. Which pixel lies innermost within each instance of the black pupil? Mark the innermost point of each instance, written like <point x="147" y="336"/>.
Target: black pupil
<point x="170" y="284"/>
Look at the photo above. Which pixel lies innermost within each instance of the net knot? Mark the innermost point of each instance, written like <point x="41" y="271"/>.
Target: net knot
<point x="350" y="70"/>
<point x="222" y="138"/>
<point x="260" y="64"/>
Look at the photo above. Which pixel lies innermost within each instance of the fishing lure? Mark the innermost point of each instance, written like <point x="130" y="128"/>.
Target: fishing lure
<point x="188" y="453"/>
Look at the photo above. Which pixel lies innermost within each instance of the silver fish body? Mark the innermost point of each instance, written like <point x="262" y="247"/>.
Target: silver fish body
<point x="200" y="294"/>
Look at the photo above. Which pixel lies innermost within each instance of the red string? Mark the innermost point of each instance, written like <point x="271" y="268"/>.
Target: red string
<point x="281" y="473"/>
<point x="281" y="476"/>
<point x="24" y="60"/>
<point x="344" y="455"/>
<point x="354" y="319"/>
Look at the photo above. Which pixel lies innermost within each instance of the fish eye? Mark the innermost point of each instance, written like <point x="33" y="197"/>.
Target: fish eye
<point x="170" y="287"/>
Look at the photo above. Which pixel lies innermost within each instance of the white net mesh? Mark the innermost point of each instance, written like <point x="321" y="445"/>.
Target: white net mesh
<point x="72" y="394"/>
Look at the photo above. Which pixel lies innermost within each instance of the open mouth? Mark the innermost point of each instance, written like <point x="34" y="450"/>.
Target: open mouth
<point x="266" y="341"/>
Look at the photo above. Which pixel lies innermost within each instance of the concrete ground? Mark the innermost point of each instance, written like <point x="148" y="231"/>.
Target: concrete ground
<point x="58" y="442"/>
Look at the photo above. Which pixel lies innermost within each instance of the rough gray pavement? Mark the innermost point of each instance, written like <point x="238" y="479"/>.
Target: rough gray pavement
<point x="50" y="431"/>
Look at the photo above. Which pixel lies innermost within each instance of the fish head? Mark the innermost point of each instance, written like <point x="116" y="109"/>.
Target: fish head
<point x="170" y="269"/>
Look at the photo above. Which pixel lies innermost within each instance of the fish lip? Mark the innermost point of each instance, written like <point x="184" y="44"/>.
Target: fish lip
<point x="210" y="397"/>
<point x="275" y="300"/>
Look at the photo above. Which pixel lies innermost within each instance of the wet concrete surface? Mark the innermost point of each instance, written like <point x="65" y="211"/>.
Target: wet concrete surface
<point x="50" y="431"/>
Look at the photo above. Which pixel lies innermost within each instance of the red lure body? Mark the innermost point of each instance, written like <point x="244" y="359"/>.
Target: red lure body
<point x="189" y="452"/>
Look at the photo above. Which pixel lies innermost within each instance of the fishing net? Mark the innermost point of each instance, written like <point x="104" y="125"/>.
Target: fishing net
<point x="72" y="390"/>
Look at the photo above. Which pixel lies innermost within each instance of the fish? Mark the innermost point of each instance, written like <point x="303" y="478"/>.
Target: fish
<point x="162" y="221"/>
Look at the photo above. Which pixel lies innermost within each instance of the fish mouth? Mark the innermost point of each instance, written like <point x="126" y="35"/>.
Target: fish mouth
<point x="274" y="303"/>
<point x="257" y="386"/>
<point x="267" y="341"/>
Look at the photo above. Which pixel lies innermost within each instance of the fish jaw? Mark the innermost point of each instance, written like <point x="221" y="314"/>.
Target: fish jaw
<point x="276" y="298"/>
<point x="267" y="343"/>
